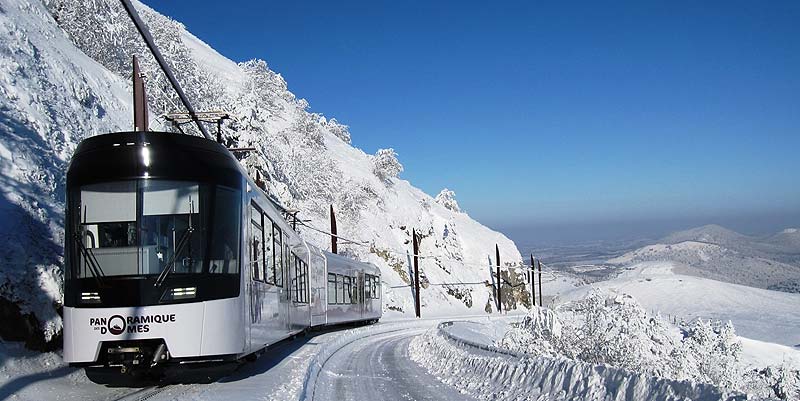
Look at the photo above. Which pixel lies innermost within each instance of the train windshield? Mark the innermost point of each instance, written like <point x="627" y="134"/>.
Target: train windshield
<point x="137" y="229"/>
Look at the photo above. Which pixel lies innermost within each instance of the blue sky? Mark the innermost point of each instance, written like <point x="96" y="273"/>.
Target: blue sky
<point x="548" y="114"/>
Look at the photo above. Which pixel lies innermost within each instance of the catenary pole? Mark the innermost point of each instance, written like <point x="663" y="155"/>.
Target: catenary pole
<point x="499" y="294"/>
<point x="532" y="272"/>
<point x="417" y="305"/>
<point x="540" y="282"/>
<point x="139" y="99"/>
<point x="334" y="235"/>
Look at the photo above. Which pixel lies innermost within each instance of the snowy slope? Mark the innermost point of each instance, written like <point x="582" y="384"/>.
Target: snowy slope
<point x="758" y="314"/>
<point x="51" y="96"/>
<point x="67" y="80"/>
<point x="721" y="254"/>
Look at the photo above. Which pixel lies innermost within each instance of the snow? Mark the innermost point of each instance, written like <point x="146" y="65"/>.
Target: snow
<point x="759" y="314"/>
<point x="485" y="357"/>
<point x="51" y="96"/>
<point x="226" y="70"/>
<point x="27" y="375"/>
<point x="488" y="373"/>
<point x="756" y="354"/>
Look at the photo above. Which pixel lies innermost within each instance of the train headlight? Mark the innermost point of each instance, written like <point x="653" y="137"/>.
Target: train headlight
<point x="90" y="297"/>
<point x="181" y="293"/>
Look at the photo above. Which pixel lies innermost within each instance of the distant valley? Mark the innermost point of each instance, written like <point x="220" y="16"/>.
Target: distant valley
<point x="711" y="251"/>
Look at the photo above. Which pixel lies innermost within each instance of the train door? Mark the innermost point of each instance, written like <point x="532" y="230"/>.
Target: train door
<point x="281" y="279"/>
<point x="319" y="288"/>
<point x="258" y="334"/>
<point x="298" y="286"/>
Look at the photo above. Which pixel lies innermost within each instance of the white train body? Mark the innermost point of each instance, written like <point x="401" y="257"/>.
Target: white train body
<point x="175" y="255"/>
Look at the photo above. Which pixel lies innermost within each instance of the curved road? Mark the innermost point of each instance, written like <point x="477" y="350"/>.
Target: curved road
<point x="378" y="367"/>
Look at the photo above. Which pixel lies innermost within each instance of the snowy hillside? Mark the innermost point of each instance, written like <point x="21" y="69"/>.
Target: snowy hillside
<point x="64" y="76"/>
<point x="52" y="96"/>
<point x="758" y="314"/>
<point x="782" y="247"/>
<point x="721" y="254"/>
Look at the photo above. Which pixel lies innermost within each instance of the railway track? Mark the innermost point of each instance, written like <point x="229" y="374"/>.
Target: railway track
<point x="144" y="393"/>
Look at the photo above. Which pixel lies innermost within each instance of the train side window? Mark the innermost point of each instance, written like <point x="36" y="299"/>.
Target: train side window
<point x="346" y="299"/>
<point x="339" y="289"/>
<point x="354" y="290"/>
<point x="305" y="282"/>
<point x="301" y="280"/>
<point x="277" y="255"/>
<point x="256" y="243"/>
<point x="367" y="285"/>
<point x="295" y="282"/>
<point x="331" y="288"/>
<point x="287" y="264"/>
<point x="268" y="267"/>
<point x="376" y="288"/>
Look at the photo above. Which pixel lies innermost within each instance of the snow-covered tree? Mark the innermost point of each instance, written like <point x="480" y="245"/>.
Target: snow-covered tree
<point x="614" y="329"/>
<point x="711" y="354"/>
<point x="385" y="164"/>
<point x="447" y="198"/>
<point x="338" y="129"/>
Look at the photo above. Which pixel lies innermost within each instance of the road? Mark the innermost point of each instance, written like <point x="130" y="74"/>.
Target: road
<point x="378" y="367"/>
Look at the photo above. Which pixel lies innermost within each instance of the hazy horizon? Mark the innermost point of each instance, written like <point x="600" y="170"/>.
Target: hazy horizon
<point x="526" y="234"/>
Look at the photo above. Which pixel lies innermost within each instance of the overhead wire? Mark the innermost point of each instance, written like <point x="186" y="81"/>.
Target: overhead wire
<point x="521" y="266"/>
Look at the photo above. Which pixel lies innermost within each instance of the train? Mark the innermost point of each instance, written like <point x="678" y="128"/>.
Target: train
<point x="174" y="255"/>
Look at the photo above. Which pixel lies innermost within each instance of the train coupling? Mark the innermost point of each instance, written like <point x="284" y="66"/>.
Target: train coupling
<point x="137" y="356"/>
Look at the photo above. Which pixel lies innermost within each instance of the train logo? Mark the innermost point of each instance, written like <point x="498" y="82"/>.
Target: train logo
<point x="116" y="325"/>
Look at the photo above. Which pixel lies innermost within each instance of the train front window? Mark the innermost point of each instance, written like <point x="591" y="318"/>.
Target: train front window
<point x="138" y="228"/>
<point x="107" y="231"/>
<point x="169" y="210"/>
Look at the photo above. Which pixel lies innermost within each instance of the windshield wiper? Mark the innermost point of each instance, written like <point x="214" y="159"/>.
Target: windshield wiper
<point x="91" y="260"/>
<point x="168" y="268"/>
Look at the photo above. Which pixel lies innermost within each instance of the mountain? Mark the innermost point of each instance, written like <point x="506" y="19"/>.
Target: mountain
<point x="788" y="239"/>
<point x="721" y="254"/>
<point x="783" y="246"/>
<point x="712" y="233"/>
<point x="64" y="75"/>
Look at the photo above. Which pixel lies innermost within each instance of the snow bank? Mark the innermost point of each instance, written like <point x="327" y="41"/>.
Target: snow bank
<point x="488" y="372"/>
<point x="612" y="329"/>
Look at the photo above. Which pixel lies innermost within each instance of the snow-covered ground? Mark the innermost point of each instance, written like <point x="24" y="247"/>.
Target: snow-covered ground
<point x="459" y="355"/>
<point x="758" y="314"/>
<point x="342" y="364"/>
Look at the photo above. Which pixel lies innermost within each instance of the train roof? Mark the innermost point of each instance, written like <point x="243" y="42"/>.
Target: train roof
<point x="153" y="155"/>
<point x="340" y="260"/>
